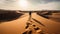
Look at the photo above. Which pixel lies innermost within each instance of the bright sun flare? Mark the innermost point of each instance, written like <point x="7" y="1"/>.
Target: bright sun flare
<point x="23" y="3"/>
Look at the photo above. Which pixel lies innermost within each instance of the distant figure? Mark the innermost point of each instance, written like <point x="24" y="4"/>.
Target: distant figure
<point x="30" y="13"/>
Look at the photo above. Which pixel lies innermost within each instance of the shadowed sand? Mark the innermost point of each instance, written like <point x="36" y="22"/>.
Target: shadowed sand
<point x="9" y="16"/>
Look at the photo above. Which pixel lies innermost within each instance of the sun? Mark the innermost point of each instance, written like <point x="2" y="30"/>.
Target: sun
<point x="23" y="3"/>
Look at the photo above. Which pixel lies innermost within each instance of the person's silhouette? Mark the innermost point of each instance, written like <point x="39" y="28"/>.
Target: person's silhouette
<point x="30" y="13"/>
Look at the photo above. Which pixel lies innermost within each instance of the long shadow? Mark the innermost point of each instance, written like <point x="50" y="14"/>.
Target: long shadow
<point x="9" y="16"/>
<point x="38" y="22"/>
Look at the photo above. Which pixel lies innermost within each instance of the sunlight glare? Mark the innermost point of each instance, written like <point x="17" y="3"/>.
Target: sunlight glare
<point x="23" y="3"/>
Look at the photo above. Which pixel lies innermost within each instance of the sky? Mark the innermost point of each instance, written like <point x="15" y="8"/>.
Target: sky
<point x="30" y="4"/>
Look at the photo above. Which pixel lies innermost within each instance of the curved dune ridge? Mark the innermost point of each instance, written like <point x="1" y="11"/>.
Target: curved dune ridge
<point x="9" y="15"/>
